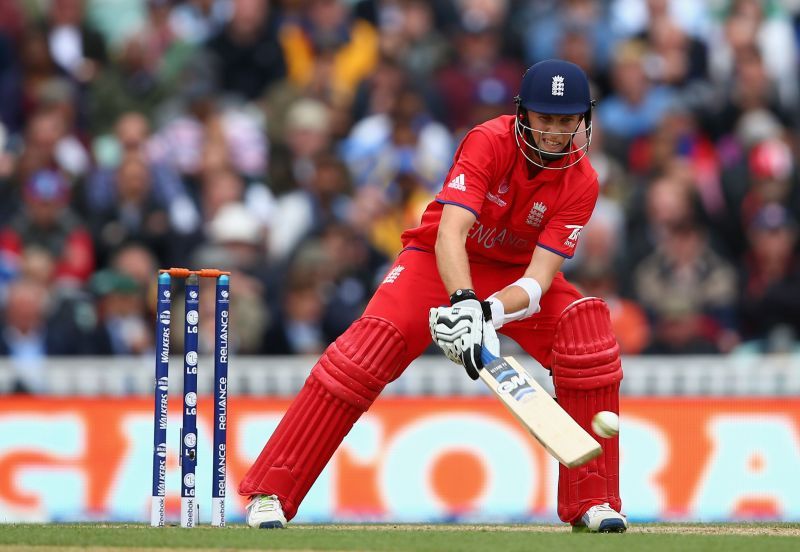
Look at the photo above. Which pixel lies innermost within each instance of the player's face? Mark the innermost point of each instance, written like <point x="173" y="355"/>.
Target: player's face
<point x="552" y="133"/>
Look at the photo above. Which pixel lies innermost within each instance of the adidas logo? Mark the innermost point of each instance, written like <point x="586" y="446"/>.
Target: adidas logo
<point x="458" y="183"/>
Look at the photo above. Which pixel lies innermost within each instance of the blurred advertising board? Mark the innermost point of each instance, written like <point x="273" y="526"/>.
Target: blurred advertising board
<point x="408" y="459"/>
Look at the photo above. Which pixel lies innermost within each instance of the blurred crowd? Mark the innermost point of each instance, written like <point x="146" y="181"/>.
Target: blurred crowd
<point x="291" y="142"/>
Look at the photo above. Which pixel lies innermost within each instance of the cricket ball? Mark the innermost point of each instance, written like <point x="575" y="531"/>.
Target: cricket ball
<point x="605" y="424"/>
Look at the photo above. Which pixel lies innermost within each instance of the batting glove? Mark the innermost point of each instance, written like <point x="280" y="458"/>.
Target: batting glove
<point x="462" y="330"/>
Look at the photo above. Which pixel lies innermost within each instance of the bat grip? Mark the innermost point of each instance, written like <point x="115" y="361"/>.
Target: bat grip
<point x="486" y="356"/>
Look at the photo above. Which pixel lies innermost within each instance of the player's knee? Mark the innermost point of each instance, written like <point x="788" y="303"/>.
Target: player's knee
<point x="585" y="351"/>
<point x="356" y="367"/>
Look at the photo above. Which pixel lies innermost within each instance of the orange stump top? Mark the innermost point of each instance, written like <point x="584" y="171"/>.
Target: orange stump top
<point x="202" y="273"/>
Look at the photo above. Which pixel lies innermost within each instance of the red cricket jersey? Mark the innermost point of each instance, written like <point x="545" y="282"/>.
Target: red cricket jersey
<point x="518" y="206"/>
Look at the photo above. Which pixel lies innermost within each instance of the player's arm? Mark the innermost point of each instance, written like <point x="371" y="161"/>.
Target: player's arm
<point x="451" y="252"/>
<point x="463" y="329"/>
<point x="521" y="299"/>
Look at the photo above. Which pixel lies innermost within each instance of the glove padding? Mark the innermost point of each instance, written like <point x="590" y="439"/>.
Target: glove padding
<point x="461" y="331"/>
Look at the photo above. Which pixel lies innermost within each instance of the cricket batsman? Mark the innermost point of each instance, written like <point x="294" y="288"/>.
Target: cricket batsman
<point x="490" y="245"/>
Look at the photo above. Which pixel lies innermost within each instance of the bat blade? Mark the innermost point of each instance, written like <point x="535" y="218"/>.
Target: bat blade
<point x="535" y="409"/>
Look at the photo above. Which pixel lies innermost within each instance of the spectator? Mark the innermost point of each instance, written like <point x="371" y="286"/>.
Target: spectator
<point x="307" y="210"/>
<point x="37" y="265"/>
<point x="10" y="101"/>
<point x="632" y="17"/>
<point x="12" y="20"/>
<point x="355" y="267"/>
<point x="135" y="215"/>
<point x="637" y="106"/>
<point x="137" y="262"/>
<point x="25" y="337"/>
<point x="545" y="32"/>
<point x="321" y="87"/>
<point x="495" y="14"/>
<point x="247" y="50"/>
<point x="222" y="186"/>
<point x="196" y="21"/>
<point x="166" y="53"/>
<point x="377" y="94"/>
<point x="330" y="35"/>
<point x="492" y="99"/>
<point x="407" y="135"/>
<point x="677" y="146"/>
<point x="241" y="237"/>
<point x="773" y="178"/>
<point x="62" y="98"/>
<point x="675" y="58"/>
<point x="77" y="49"/>
<point x="666" y="202"/>
<point x="37" y="324"/>
<point x="47" y="222"/>
<point x="576" y="45"/>
<point x="237" y="241"/>
<point x="304" y="134"/>
<point x="36" y="68"/>
<point x="327" y="277"/>
<point x="131" y="84"/>
<point x="384" y="215"/>
<point x="298" y="330"/>
<point x="201" y="122"/>
<point x="683" y="266"/>
<point x="771" y="281"/>
<point x="679" y="330"/>
<point x="756" y="177"/>
<point x="51" y="142"/>
<point x="762" y="30"/>
<point x="408" y="35"/>
<point x="131" y="137"/>
<point x="123" y="328"/>
<point x="479" y="64"/>
<point x="749" y="90"/>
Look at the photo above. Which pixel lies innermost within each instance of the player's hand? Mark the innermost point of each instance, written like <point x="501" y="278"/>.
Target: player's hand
<point x="461" y="331"/>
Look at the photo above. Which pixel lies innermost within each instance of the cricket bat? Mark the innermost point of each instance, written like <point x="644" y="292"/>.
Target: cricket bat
<point x="535" y="409"/>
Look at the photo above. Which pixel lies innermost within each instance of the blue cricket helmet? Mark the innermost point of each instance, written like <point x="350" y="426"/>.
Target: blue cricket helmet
<point x="555" y="87"/>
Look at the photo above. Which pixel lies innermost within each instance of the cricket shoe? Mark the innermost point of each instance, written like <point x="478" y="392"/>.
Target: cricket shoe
<point x="601" y="518"/>
<point x="265" y="512"/>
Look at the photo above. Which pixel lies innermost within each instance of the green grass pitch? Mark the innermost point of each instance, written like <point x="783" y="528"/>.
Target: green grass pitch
<point x="483" y="538"/>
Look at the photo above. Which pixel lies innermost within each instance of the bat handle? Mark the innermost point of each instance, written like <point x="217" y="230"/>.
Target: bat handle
<point x="486" y="356"/>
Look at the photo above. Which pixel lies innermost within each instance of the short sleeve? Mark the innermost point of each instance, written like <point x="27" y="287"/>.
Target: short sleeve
<point x="561" y="233"/>
<point x="471" y="174"/>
